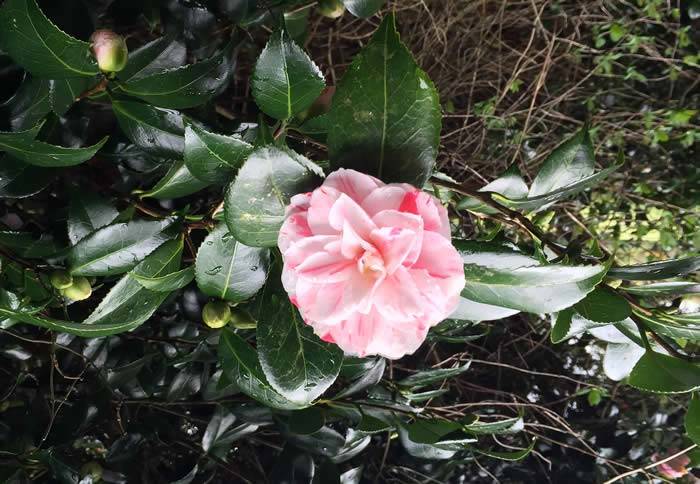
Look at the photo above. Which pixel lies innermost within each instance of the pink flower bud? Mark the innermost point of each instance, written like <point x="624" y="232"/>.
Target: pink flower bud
<point x="370" y="266"/>
<point x="109" y="50"/>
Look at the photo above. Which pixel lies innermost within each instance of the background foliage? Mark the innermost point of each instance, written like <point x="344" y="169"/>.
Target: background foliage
<point x="170" y="401"/>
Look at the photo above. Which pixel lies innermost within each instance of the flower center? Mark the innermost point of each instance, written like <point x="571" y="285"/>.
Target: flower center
<point x="371" y="264"/>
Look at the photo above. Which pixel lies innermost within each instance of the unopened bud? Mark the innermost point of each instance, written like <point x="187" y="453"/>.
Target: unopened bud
<point x="79" y="290"/>
<point x="242" y="319"/>
<point x="109" y="50"/>
<point x="61" y="279"/>
<point x="216" y="314"/>
<point x="331" y="8"/>
<point x="93" y="470"/>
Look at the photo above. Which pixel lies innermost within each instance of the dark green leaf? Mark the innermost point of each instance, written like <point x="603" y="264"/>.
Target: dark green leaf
<point x="88" y="212"/>
<point x="664" y="288"/>
<point x="425" y="431"/>
<point x="306" y="421"/>
<point x="427" y="377"/>
<point x="212" y="157"/>
<point x="255" y="202"/>
<point x="19" y="180"/>
<point x="285" y="81"/>
<point x="158" y="132"/>
<point x="512" y="456"/>
<point x="603" y="305"/>
<point x="501" y="276"/>
<point x="158" y="55"/>
<point x="64" y="92"/>
<point x="220" y="432"/>
<point x="43" y="154"/>
<point x="363" y="8"/>
<point x="177" y="182"/>
<point x="505" y="426"/>
<point x="372" y="425"/>
<point x="26" y="245"/>
<point x="659" y="373"/>
<point x="29" y="104"/>
<point x="569" y="163"/>
<point x="367" y="378"/>
<point x="227" y="269"/>
<point x="423" y="451"/>
<point x="562" y="326"/>
<point x="36" y="44"/>
<point x="116" y="248"/>
<point x="167" y="283"/>
<point x="656" y="270"/>
<point x="673" y="325"/>
<point x="692" y="420"/>
<point x="510" y="185"/>
<point x="185" y="383"/>
<point x="240" y="364"/>
<point x="182" y="87"/>
<point x="296" y="362"/>
<point x="385" y="119"/>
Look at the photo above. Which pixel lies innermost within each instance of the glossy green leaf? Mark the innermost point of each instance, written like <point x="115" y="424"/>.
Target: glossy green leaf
<point x="29" y="104"/>
<point x="673" y="325"/>
<point x="367" y="378"/>
<point x="664" y="288"/>
<point x="428" y="377"/>
<point x="474" y="311"/>
<point x="656" y="270"/>
<point x="430" y="431"/>
<point x="158" y="132"/>
<point x="510" y="185"/>
<point x="227" y="269"/>
<point x="363" y="8"/>
<point x="27" y="245"/>
<point x="255" y="202"/>
<point x="296" y="362"/>
<point x="20" y="180"/>
<point x="43" y="154"/>
<point x="659" y="373"/>
<point x="212" y="157"/>
<point x="241" y="366"/>
<point x="128" y="301"/>
<point x="182" y="87"/>
<point x="168" y="282"/>
<point x="156" y="56"/>
<point x="562" y="326"/>
<point x="511" y="456"/>
<point x="501" y="276"/>
<point x="692" y="420"/>
<point x="285" y="81"/>
<point x="421" y="450"/>
<point x="177" y="182"/>
<point x="306" y="421"/>
<point x="64" y="92"/>
<point x="88" y="212"/>
<point x="603" y="305"/>
<point x="385" y="118"/>
<point x="569" y="163"/>
<point x="117" y="248"/>
<point x="505" y="426"/>
<point x="36" y="44"/>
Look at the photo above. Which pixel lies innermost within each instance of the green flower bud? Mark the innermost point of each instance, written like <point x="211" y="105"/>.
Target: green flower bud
<point x="216" y="314"/>
<point x="109" y="50"/>
<point x="92" y="469"/>
<point x="594" y="397"/>
<point x="61" y="279"/>
<point x="242" y="319"/>
<point x="79" y="290"/>
<point x="331" y="8"/>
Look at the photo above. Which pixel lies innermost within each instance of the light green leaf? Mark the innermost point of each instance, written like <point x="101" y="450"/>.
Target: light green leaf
<point x="88" y="212"/>
<point x="427" y="377"/>
<point x="117" y="248"/>
<point x="43" y="154"/>
<point x="255" y="202"/>
<point x="673" y="325"/>
<point x="385" y="118"/>
<point x="36" y="44"/>
<point x="570" y="162"/>
<point x="227" y="269"/>
<point x="182" y="87"/>
<point x="296" y="362"/>
<point x="473" y="311"/>
<point x="285" y="81"/>
<point x="241" y="366"/>
<point x="363" y="8"/>
<point x="505" y="426"/>
<point x="167" y="283"/>
<point x="177" y="182"/>
<point x="158" y="132"/>
<point x="510" y="185"/>
<point x="659" y="373"/>
<point x="212" y="157"/>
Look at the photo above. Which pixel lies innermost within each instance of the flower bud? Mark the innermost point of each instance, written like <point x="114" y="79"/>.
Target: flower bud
<point x="242" y="319"/>
<point x="61" y="279"/>
<point x="79" y="290"/>
<point x="216" y="314"/>
<point x="331" y="8"/>
<point x="109" y="50"/>
<point x="93" y="470"/>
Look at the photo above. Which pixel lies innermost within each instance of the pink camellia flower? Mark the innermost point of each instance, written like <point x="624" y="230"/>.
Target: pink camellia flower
<point x="674" y="468"/>
<point x="370" y="266"/>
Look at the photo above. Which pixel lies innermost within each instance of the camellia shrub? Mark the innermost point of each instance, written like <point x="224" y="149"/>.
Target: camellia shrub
<point x="272" y="265"/>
